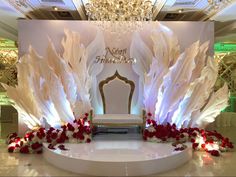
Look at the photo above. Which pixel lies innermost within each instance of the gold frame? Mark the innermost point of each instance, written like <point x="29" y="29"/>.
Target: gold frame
<point x="124" y="79"/>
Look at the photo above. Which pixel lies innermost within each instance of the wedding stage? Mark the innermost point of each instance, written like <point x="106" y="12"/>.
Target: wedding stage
<point x="159" y="78"/>
<point x="118" y="158"/>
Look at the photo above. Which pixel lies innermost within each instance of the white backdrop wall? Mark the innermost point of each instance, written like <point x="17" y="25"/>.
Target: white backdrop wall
<point x="37" y="32"/>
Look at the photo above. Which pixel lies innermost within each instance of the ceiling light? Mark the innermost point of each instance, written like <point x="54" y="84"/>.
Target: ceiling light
<point x="128" y="12"/>
<point x="180" y="10"/>
<point x="119" y="10"/>
<point x="55" y="8"/>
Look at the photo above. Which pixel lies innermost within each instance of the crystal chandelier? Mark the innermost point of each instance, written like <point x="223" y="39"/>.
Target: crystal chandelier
<point x="110" y="14"/>
<point x="216" y="3"/>
<point x="119" y="10"/>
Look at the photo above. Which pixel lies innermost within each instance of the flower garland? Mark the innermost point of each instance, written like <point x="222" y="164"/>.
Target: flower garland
<point x="209" y="141"/>
<point x="78" y="132"/>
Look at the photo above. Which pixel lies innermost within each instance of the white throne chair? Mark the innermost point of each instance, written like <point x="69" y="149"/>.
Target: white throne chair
<point x="116" y="93"/>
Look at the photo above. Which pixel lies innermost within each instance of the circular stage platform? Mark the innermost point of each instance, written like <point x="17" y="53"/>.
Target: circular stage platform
<point x="118" y="158"/>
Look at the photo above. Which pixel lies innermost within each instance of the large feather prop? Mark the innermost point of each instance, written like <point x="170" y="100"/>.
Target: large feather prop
<point x="217" y="102"/>
<point x="178" y="88"/>
<point x="197" y="94"/>
<point x="175" y="83"/>
<point x="53" y="88"/>
<point x="166" y="51"/>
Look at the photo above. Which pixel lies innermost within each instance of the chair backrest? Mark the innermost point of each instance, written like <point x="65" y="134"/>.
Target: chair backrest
<point x="116" y="92"/>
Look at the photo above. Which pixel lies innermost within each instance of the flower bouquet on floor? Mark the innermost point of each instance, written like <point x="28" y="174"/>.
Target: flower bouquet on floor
<point x="77" y="132"/>
<point x="205" y="140"/>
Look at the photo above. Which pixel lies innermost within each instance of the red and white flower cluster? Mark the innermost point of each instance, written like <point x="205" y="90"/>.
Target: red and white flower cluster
<point x="78" y="132"/>
<point x="209" y="141"/>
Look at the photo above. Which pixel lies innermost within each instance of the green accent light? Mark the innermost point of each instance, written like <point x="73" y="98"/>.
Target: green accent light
<point x="232" y="105"/>
<point x="225" y="47"/>
<point x="4" y="100"/>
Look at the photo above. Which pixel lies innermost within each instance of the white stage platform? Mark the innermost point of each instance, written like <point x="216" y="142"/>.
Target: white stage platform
<point x="118" y="158"/>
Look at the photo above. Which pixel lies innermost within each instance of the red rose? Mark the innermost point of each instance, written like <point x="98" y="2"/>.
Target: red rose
<point x="62" y="147"/>
<point x="70" y="127"/>
<point x="50" y="146"/>
<point x="54" y="135"/>
<point x="211" y="141"/>
<point x="195" y="145"/>
<point x="24" y="149"/>
<point x="86" y="114"/>
<point x="61" y="140"/>
<point x="145" y="132"/>
<point x="88" y="130"/>
<point x="81" y="137"/>
<point x="88" y="140"/>
<point x="36" y="145"/>
<point x="39" y="135"/>
<point x="31" y="136"/>
<point x="51" y="129"/>
<point x="149" y="114"/>
<point x="149" y="121"/>
<point x="203" y="146"/>
<point x="11" y="149"/>
<point x="230" y="145"/>
<point x="74" y="135"/>
<point x="215" y="153"/>
<point x="63" y="127"/>
<point x="41" y="130"/>
<point x="12" y="135"/>
<point x="49" y="140"/>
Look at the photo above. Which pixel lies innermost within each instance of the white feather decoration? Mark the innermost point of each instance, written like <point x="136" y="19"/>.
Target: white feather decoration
<point x="53" y="88"/>
<point x="175" y="83"/>
<point x="166" y="51"/>
<point x="217" y="102"/>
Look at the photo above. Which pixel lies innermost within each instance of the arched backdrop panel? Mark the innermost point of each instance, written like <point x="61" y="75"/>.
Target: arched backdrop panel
<point x="37" y="32"/>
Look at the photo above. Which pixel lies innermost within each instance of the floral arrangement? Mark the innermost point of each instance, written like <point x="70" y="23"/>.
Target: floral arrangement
<point x="209" y="141"/>
<point x="77" y="132"/>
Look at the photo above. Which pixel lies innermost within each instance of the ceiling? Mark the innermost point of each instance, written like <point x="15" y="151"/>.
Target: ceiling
<point x="166" y="10"/>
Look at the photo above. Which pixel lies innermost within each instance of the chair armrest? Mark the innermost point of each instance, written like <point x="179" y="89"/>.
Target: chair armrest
<point x="91" y="115"/>
<point x="144" y="117"/>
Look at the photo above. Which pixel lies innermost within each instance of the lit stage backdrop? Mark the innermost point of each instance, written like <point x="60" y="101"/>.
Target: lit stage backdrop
<point x="170" y="63"/>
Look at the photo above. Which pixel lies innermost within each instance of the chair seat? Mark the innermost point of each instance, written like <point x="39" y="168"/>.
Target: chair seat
<point x="117" y="119"/>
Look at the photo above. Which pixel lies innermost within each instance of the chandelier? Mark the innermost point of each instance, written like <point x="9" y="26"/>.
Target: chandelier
<point x="119" y="16"/>
<point x="217" y="3"/>
<point x="119" y="10"/>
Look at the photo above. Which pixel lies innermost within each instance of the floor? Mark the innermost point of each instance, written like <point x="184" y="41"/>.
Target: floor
<point x="202" y="163"/>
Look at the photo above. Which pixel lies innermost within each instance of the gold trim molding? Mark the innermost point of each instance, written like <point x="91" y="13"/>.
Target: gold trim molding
<point x="125" y="80"/>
